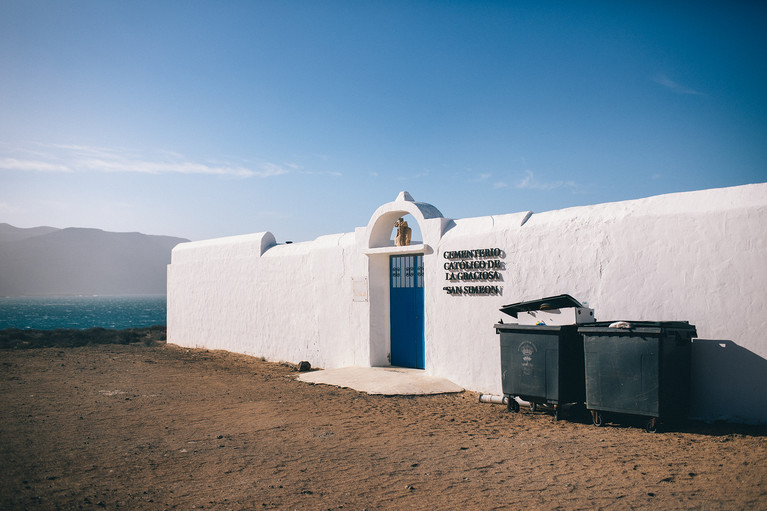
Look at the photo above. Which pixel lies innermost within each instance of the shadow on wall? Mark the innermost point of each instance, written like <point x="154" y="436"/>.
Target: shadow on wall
<point x="729" y="383"/>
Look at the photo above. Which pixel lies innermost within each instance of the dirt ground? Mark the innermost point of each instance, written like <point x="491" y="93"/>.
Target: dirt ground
<point x="163" y="427"/>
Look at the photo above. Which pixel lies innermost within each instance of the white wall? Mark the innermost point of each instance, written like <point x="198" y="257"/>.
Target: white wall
<point x="697" y="256"/>
<point x="293" y="302"/>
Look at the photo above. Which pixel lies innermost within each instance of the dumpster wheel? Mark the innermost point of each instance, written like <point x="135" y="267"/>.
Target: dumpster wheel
<point x="533" y="406"/>
<point x="652" y="425"/>
<point x="557" y="409"/>
<point x="597" y="418"/>
<point x="512" y="405"/>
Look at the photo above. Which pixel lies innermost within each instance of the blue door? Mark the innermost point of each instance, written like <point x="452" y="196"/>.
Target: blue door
<point x="407" y="311"/>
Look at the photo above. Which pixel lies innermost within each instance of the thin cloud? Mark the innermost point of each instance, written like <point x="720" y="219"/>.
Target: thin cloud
<point x="84" y="149"/>
<point x="154" y="167"/>
<point x="73" y="158"/>
<point x="32" y="165"/>
<point x="476" y="177"/>
<point x="676" y="87"/>
<point x="530" y="183"/>
<point x="481" y="177"/>
<point x="269" y="170"/>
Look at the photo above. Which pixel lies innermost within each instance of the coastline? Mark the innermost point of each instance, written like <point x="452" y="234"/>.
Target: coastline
<point x="16" y="338"/>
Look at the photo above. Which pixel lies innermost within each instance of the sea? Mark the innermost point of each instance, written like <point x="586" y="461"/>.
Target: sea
<point x="82" y="312"/>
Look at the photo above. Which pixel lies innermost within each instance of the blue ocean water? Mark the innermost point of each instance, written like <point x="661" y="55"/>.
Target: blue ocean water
<point x="81" y="312"/>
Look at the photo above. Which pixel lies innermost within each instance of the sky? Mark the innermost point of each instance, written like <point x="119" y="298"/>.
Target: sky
<point x="203" y="119"/>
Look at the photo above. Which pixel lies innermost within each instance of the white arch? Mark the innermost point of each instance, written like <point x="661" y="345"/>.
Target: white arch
<point x="429" y="219"/>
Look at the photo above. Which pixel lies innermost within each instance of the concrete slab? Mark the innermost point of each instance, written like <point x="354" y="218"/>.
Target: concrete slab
<point x="387" y="381"/>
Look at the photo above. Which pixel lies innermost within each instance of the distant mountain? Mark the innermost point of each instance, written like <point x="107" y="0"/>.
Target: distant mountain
<point x="11" y="233"/>
<point x="76" y="261"/>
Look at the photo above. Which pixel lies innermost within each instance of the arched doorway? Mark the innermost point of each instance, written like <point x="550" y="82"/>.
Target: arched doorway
<point x="398" y="282"/>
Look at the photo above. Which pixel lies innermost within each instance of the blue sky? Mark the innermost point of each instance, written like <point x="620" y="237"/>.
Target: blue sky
<point x="203" y="119"/>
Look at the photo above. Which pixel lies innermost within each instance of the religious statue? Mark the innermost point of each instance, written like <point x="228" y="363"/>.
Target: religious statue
<point x="403" y="233"/>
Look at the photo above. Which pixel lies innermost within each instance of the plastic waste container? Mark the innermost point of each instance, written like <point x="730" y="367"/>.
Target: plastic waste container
<point x="553" y="310"/>
<point x="638" y="368"/>
<point x="541" y="365"/>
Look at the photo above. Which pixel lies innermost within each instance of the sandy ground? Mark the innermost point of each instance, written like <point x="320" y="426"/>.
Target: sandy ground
<point x="162" y="427"/>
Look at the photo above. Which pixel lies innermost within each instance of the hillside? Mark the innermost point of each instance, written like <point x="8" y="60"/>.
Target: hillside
<point x="11" y="233"/>
<point x="75" y="261"/>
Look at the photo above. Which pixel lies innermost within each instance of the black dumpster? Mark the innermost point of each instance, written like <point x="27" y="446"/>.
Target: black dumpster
<point x="542" y="365"/>
<point x="638" y="368"/>
<point x="553" y="311"/>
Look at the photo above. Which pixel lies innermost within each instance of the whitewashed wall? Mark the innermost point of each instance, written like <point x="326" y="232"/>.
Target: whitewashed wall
<point x="698" y="256"/>
<point x="284" y="302"/>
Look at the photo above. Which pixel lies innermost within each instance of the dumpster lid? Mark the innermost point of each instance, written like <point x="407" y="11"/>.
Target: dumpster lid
<point x="552" y="302"/>
<point x="514" y="327"/>
<point x="623" y="326"/>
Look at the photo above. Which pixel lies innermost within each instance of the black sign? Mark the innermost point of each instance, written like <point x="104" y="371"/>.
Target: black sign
<point x="471" y="266"/>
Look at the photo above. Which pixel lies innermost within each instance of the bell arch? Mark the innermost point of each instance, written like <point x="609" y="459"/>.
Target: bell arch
<point x="429" y="218"/>
<point x="380" y="251"/>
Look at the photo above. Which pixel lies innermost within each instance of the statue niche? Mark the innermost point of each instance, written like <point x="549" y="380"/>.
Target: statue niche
<point x="402" y="239"/>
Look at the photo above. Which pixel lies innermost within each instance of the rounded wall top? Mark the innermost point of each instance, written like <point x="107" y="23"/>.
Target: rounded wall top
<point x="403" y="195"/>
<point x="380" y="226"/>
<point x="218" y="248"/>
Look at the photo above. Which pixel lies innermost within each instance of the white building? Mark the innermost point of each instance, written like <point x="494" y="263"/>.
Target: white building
<point x="699" y="257"/>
